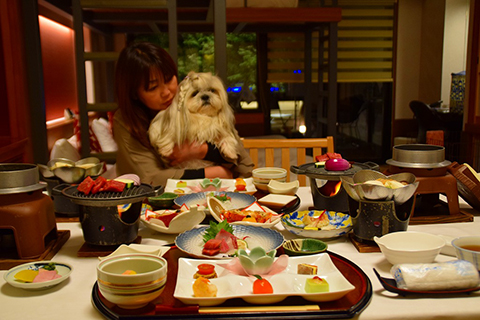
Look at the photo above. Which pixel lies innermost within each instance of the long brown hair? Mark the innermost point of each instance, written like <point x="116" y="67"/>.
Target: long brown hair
<point x="133" y="69"/>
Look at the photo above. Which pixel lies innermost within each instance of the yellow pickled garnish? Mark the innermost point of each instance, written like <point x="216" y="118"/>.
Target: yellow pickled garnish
<point x="242" y="244"/>
<point x="249" y="218"/>
<point x="128" y="272"/>
<point x="26" y="275"/>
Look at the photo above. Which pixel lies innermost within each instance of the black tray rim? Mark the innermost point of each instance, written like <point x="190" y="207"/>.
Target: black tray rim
<point x="344" y="314"/>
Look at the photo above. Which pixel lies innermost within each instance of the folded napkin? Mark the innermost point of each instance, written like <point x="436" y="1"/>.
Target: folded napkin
<point x="451" y="275"/>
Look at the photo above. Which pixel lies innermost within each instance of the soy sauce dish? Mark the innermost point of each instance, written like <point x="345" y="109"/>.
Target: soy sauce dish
<point x="299" y="247"/>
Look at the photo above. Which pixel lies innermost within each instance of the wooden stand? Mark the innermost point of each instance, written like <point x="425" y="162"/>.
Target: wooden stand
<point x="50" y="251"/>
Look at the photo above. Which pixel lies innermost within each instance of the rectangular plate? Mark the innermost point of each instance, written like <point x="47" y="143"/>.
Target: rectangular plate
<point x="276" y="200"/>
<point x="285" y="284"/>
<point x="193" y="185"/>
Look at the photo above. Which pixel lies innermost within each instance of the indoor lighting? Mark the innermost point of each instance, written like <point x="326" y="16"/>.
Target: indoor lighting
<point x="53" y="24"/>
<point x="302" y="129"/>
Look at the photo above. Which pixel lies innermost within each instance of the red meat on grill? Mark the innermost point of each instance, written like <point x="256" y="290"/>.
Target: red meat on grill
<point x="86" y="185"/>
<point x="99" y="184"/>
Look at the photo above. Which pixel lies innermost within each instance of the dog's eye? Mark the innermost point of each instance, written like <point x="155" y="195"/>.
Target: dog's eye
<point x="213" y="90"/>
<point x="194" y="93"/>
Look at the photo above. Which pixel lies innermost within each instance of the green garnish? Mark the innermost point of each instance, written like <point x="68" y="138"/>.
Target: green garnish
<point x="215" y="228"/>
<point x="50" y="266"/>
<point x="223" y="197"/>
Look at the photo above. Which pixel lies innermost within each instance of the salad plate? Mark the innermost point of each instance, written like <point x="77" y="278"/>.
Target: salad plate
<point x="233" y="200"/>
<point x="189" y="186"/>
<point x="286" y="283"/>
<point x="191" y="241"/>
<point x="63" y="270"/>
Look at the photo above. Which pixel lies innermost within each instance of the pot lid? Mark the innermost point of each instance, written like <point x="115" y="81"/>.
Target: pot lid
<point x="19" y="178"/>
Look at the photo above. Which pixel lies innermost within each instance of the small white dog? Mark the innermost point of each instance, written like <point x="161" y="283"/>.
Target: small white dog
<point x="199" y="113"/>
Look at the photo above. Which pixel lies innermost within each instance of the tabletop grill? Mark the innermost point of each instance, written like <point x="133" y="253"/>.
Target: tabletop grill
<point x="110" y="218"/>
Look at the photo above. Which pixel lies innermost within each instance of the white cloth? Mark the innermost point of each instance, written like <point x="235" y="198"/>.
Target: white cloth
<point x="451" y="275"/>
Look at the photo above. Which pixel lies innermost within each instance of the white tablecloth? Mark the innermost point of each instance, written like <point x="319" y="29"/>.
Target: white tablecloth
<point x="72" y="298"/>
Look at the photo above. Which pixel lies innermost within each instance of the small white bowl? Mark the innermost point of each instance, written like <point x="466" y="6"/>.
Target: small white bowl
<point x="464" y="253"/>
<point x="410" y="247"/>
<point x="262" y="176"/>
<point x="132" y="291"/>
<point x="289" y="188"/>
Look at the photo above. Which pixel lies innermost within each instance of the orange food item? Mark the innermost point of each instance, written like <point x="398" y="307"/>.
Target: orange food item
<point x="262" y="286"/>
<point x="240" y="184"/>
<point x="202" y="287"/>
<point x="205" y="270"/>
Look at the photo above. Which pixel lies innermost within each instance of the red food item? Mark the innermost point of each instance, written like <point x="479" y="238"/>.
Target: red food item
<point x="114" y="186"/>
<point x="328" y="156"/>
<point x="262" y="286"/>
<point x="99" y="183"/>
<point x="167" y="218"/>
<point x="86" y="185"/>
<point x="211" y="247"/>
<point x="206" y="268"/>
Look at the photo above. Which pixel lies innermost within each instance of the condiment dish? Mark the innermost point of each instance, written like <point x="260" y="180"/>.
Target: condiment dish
<point x="288" y="188"/>
<point x="299" y="247"/>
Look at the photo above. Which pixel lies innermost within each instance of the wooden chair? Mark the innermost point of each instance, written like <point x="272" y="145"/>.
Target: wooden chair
<point x="319" y="146"/>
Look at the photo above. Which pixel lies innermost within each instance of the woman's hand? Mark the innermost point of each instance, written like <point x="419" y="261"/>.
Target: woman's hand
<point x="218" y="172"/>
<point x="187" y="151"/>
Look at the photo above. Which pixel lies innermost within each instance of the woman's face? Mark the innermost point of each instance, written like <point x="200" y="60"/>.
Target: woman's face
<point x="159" y="94"/>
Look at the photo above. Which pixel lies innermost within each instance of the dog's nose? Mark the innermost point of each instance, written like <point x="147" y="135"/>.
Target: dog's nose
<point x="205" y="97"/>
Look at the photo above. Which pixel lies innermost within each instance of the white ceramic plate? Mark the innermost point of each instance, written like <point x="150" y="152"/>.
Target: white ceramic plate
<point x="238" y="200"/>
<point x="191" y="241"/>
<point x="183" y="221"/>
<point x="276" y="200"/>
<point x="193" y="186"/>
<point x="285" y="284"/>
<point x="63" y="269"/>
<point x="215" y="207"/>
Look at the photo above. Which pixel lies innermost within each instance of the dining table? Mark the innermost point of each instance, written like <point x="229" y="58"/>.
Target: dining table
<point x="72" y="298"/>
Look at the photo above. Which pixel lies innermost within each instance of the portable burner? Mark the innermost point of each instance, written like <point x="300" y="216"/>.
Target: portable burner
<point x="326" y="185"/>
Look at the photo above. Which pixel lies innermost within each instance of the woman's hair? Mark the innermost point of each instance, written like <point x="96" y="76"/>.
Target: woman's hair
<point x="134" y="66"/>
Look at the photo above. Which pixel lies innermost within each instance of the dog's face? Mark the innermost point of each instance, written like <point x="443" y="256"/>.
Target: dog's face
<point x="205" y="94"/>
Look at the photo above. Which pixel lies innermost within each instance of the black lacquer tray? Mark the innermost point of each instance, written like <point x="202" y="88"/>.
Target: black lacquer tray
<point x="167" y="307"/>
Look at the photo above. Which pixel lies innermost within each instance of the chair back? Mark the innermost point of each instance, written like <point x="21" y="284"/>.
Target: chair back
<point x="298" y="148"/>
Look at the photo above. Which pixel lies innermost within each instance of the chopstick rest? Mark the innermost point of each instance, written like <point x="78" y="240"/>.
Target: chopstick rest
<point x="451" y="275"/>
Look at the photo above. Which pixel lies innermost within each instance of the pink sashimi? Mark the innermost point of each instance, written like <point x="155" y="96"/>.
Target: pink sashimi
<point x="46" y="275"/>
<point x="230" y="239"/>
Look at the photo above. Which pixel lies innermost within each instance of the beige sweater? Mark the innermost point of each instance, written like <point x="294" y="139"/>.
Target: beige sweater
<point x="133" y="157"/>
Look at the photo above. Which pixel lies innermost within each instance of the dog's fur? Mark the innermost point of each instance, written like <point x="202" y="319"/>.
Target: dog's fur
<point x="199" y="113"/>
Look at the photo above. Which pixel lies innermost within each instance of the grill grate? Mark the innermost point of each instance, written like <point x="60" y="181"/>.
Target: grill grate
<point x="105" y="199"/>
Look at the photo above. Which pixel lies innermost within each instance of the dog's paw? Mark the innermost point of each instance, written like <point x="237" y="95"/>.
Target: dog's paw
<point x="229" y="148"/>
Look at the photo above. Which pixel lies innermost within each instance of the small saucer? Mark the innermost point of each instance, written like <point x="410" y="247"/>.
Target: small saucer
<point x="63" y="270"/>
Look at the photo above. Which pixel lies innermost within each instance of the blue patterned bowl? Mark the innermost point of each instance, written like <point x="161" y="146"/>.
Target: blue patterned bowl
<point x="339" y="224"/>
<point x="191" y="241"/>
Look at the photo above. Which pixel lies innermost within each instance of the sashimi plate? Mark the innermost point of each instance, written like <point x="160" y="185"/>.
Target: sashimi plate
<point x="286" y="283"/>
<point x="194" y="186"/>
<point x="63" y="270"/>
<point x="191" y="241"/>
<point x="237" y="200"/>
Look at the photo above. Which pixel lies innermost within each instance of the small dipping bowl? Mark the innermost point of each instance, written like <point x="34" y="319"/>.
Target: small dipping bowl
<point x="165" y="200"/>
<point x="262" y="176"/>
<point x="300" y="247"/>
<point x="132" y="291"/>
<point x="410" y="247"/>
<point x="468" y="248"/>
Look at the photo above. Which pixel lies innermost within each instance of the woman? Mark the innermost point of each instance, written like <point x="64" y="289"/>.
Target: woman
<point x="145" y="83"/>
